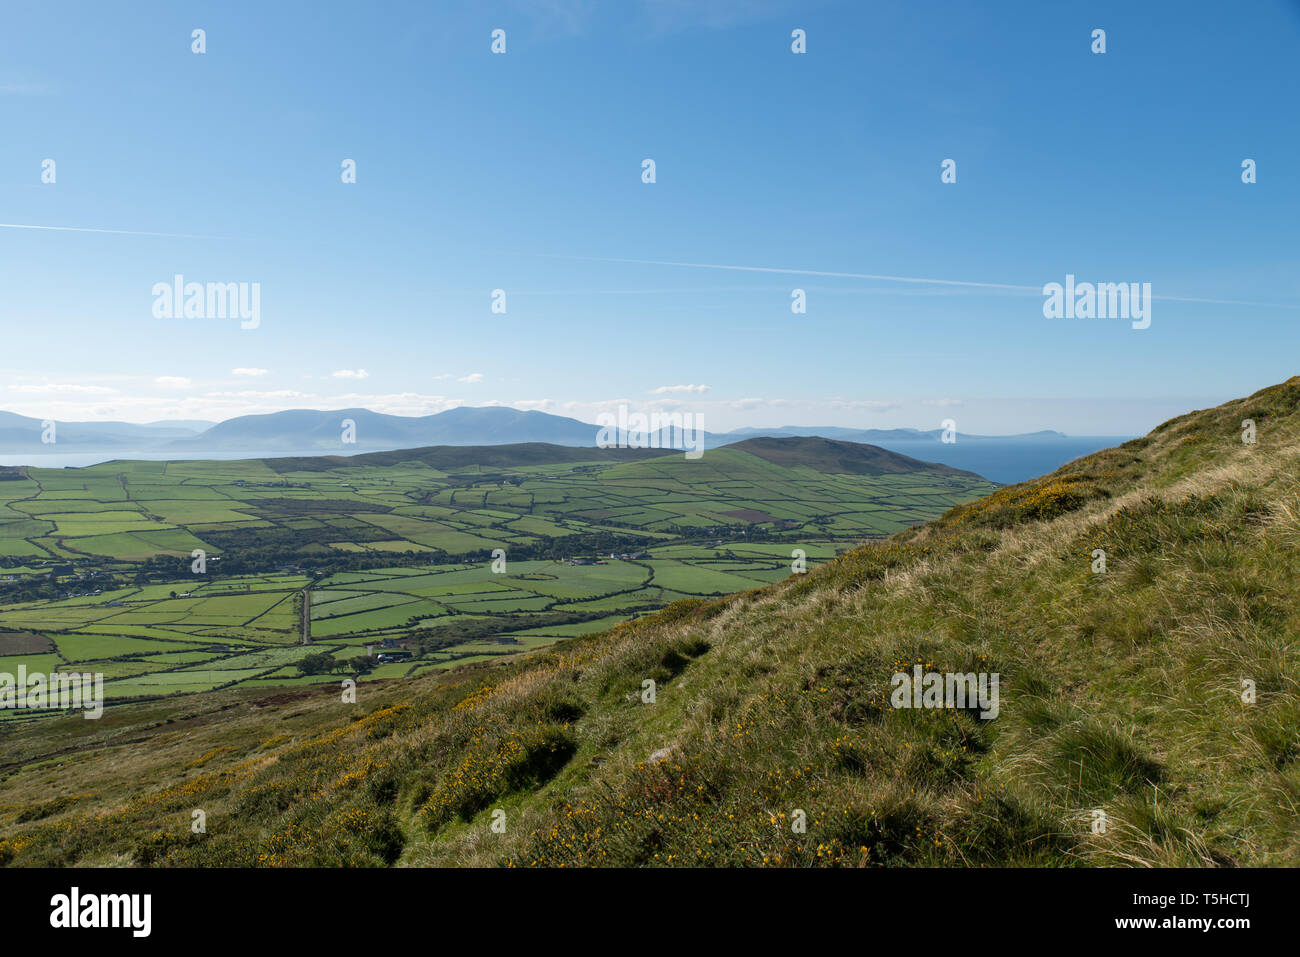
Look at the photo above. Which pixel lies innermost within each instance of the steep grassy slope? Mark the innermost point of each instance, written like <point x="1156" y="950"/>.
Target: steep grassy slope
<point x="1121" y="692"/>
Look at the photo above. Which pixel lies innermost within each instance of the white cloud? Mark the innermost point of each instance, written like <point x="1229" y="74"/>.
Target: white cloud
<point x="534" y="405"/>
<point x="472" y="377"/>
<point x="665" y="389"/>
<point x="249" y="372"/>
<point x="868" y="405"/>
<point x="60" y="387"/>
<point x="172" y="381"/>
<point x="351" y="374"/>
<point x="218" y="405"/>
<point x="945" y="403"/>
<point x="255" y="394"/>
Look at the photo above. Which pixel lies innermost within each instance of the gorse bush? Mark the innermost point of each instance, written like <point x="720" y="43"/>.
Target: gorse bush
<point x="494" y="768"/>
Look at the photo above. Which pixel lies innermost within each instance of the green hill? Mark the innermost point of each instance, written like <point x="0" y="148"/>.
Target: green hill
<point x="839" y="458"/>
<point x="452" y="457"/>
<point x="1122" y="700"/>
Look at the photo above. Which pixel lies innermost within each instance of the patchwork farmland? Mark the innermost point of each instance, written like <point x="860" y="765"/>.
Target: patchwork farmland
<point x="179" y="577"/>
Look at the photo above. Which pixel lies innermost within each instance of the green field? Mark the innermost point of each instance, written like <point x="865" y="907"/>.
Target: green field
<point x="391" y="553"/>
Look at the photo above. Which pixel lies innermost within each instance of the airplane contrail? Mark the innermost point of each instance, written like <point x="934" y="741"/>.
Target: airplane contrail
<point x="819" y="272"/>
<point x="89" y="229"/>
<point x="907" y="279"/>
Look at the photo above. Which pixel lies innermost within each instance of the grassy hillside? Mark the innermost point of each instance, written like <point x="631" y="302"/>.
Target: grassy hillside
<point x="838" y="458"/>
<point x="1121" y="692"/>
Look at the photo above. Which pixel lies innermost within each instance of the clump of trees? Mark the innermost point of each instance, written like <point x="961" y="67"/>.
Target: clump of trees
<point x="323" y="663"/>
<point x="316" y="664"/>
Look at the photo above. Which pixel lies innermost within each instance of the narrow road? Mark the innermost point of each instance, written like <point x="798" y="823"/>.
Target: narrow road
<point x="306" y="615"/>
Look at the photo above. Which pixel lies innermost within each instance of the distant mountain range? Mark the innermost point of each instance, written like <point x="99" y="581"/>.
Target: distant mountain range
<point x="22" y="433"/>
<point x="884" y="435"/>
<point x="303" y="430"/>
<point x="300" y="432"/>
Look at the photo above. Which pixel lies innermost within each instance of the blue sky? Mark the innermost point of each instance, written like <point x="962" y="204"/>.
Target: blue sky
<point x="523" y="172"/>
